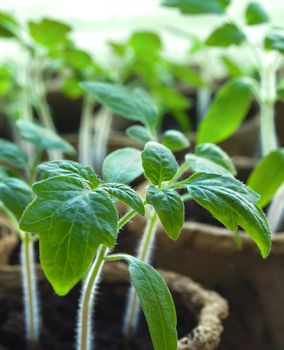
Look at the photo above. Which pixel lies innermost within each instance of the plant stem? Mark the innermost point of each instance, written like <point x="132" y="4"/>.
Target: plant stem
<point x="86" y="129"/>
<point x="30" y="295"/>
<point x="84" y="341"/>
<point x="276" y="209"/>
<point x="203" y="102"/>
<point x="129" y="215"/>
<point x="144" y="254"/>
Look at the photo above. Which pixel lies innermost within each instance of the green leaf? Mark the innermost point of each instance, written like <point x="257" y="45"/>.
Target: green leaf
<point x="233" y="204"/>
<point x="169" y="207"/>
<point x="211" y="158"/>
<point x="69" y="168"/>
<point x="145" y="42"/>
<point x="43" y="138"/>
<point x="233" y="69"/>
<point x="256" y="14"/>
<point x="134" y="105"/>
<point x="77" y="59"/>
<point x="225" y="116"/>
<point x="280" y="90"/>
<point x="262" y="182"/>
<point x="275" y="42"/>
<point x="125" y="194"/>
<point x="15" y="194"/>
<point x="226" y="35"/>
<point x="156" y="302"/>
<point x="122" y="166"/>
<point x="49" y="33"/>
<point x="6" y="81"/>
<point x="139" y="132"/>
<point x="158" y="162"/>
<point x="71" y="220"/>
<point x="12" y="155"/>
<point x="175" y="140"/>
<point x="9" y="27"/>
<point x="71" y="87"/>
<point x="197" y="7"/>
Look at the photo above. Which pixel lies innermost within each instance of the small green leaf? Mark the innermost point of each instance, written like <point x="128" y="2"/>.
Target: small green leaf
<point x="175" y="140"/>
<point x="71" y="220"/>
<point x="156" y="302"/>
<point x="139" y="132"/>
<point x="12" y="155"/>
<point x="77" y="59"/>
<point x="123" y="166"/>
<point x="197" y="7"/>
<point x="145" y="42"/>
<point x="280" y="90"/>
<point x="169" y="207"/>
<point x="233" y="204"/>
<point x="158" y="162"/>
<point x="256" y="14"/>
<point x="9" y="27"/>
<point x="49" y="33"/>
<point x="69" y="168"/>
<point x="261" y="180"/>
<point x="134" y="105"/>
<point x="71" y="87"/>
<point x="233" y="69"/>
<point x="6" y="81"/>
<point x="42" y="138"/>
<point x="275" y="42"/>
<point x="224" y="115"/>
<point x="15" y="194"/>
<point x="211" y="158"/>
<point x="226" y="35"/>
<point x="125" y="194"/>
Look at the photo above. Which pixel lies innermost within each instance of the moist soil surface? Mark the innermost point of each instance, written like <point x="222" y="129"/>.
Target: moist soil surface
<point x="59" y="320"/>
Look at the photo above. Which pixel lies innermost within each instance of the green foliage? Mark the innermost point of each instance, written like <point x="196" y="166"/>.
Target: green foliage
<point x="224" y="115"/>
<point x="9" y="27"/>
<point x="15" y="194"/>
<point x="122" y="166"/>
<point x="71" y="220"/>
<point x="233" y="69"/>
<point x="158" y="162"/>
<point x="226" y="35"/>
<point x="134" y="105"/>
<point x="169" y="207"/>
<point x="49" y="33"/>
<point x="139" y="132"/>
<point x="12" y="155"/>
<point x="42" y="138"/>
<point x="6" y="81"/>
<point x="261" y="180"/>
<point x="145" y="42"/>
<point x="274" y="41"/>
<point x="256" y="14"/>
<point x="156" y="302"/>
<point x="197" y="7"/>
<point x="77" y="59"/>
<point x="175" y="140"/>
<point x="125" y="194"/>
<point x="233" y="204"/>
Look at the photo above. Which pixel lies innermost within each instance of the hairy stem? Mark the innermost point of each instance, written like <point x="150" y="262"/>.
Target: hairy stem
<point x="30" y="294"/>
<point x="144" y="254"/>
<point x="86" y="129"/>
<point x="84" y="329"/>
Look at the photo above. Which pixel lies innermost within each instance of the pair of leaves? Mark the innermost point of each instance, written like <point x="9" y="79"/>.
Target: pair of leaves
<point x="261" y="180"/>
<point x="156" y="302"/>
<point x="134" y="105"/>
<point x="197" y="7"/>
<point x="224" y="117"/>
<point x="73" y="214"/>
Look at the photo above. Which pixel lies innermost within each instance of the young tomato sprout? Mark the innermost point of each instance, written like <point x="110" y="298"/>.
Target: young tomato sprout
<point x="17" y="163"/>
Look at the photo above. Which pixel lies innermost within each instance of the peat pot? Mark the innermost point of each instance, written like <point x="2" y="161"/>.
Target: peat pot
<point x="200" y="312"/>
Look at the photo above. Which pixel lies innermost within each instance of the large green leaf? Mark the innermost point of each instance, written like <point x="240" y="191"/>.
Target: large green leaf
<point x="256" y="14"/>
<point x="226" y="35"/>
<point x="49" y="33"/>
<point x="158" y="162"/>
<point x="232" y="203"/>
<point x="43" y="138"/>
<point x="71" y="220"/>
<point x="125" y="194"/>
<point x="123" y="165"/>
<point x="15" y="194"/>
<point x="268" y="176"/>
<point x="134" y="105"/>
<point x="224" y="115"/>
<point x="69" y="168"/>
<point x="175" y="140"/>
<point x="212" y="159"/>
<point x="196" y="7"/>
<point x="12" y="155"/>
<point x="169" y="207"/>
<point x="156" y="302"/>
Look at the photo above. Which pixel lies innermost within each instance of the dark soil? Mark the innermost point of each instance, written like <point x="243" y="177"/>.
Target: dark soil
<point x="59" y="320"/>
